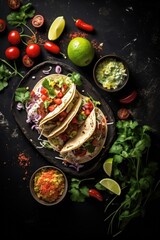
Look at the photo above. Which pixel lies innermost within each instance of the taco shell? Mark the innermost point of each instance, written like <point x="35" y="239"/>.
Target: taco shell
<point x="55" y="124"/>
<point x="86" y="150"/>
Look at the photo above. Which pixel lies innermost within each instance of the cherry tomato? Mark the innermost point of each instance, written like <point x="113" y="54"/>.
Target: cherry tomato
<point x="27" y="61"/>
<point x="51" y="47"/>
<point x="12" y="53"/>
<point x="95" y="193"/>
<point x="14" y="4"/>
<point x="123" y="113"/>
<point x="37" y="21"/>
<point x="14" y="37"/>
<point x="2" y="25"/>
<point x="130" y="98"/>
<point x="33" y="50"/>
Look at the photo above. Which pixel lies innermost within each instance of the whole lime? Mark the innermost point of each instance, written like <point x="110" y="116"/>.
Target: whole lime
<point x="80" y="51"/>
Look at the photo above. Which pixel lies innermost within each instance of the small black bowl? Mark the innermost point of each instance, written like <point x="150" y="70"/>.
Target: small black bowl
<point x="111" y="73"/>
<point x="51" y="187"/>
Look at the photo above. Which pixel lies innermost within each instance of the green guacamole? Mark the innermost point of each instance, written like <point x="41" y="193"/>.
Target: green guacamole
<point x="111" y="73"/>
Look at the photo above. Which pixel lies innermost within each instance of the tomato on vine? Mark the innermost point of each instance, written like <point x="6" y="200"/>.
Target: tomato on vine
<point x="33" y="50"/>
<point x="14" y="37"/>
<point x="12" y="53"/>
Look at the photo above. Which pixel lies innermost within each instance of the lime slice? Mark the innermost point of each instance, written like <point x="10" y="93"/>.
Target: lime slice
<point x="111" y="185"/>
<point x="107" y="166"/>
<point x="56" y="28"/>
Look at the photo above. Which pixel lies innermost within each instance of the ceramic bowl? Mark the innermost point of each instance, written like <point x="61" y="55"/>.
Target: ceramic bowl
<point x="111" y="73"/>
<point x="48" y="185"/>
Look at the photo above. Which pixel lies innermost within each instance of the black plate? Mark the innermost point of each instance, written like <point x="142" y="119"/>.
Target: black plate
<point x="30" y="79"/>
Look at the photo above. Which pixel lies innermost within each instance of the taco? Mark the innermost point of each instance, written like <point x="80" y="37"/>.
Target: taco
<point x="59" y="120"/>
<point x="49" y="97"/>
<point x="84" y="149"/>
<point x="84" y="116"/>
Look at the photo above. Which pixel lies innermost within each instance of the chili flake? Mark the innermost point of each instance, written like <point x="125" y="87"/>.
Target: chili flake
<point x="23" y="160"/>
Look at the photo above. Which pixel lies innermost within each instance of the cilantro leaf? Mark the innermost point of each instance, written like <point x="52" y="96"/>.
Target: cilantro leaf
<point x="22" y="94"/>
<point x="5" y="75"/>
<point x="20" y="17"/>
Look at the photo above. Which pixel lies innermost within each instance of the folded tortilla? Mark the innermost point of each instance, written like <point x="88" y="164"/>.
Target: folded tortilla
<point x="59" y="121"/>
<point x="80" y="124"/>
<point x="38" y="109"/>
<point x="85" y="149"/>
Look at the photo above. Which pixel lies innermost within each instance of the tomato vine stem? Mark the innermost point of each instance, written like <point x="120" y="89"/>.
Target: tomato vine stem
<point x="13" y="68"/>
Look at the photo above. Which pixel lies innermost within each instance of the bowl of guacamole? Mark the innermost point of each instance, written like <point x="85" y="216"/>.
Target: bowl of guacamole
<point x="111" y="73"/>
<point x="48" y="185"/>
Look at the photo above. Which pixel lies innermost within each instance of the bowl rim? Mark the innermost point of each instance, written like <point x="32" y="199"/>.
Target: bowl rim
<point x="34" y="194"/>
<point x="121" y="59"/>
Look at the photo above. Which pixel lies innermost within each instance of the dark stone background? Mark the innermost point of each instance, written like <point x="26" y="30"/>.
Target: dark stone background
<point x="127" y="28"/>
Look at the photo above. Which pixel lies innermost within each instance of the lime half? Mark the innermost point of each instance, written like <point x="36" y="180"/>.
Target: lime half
<point x="56" y="28"/>
<point x="111" y="185"/>
<point x="107" y="166"/>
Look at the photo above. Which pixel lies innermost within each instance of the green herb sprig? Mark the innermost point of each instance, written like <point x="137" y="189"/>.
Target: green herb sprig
<point x="76" y="78"/>
<point x="133" y="171"/>
<point x="19" y="18"/>
<point x="6" y="73"/>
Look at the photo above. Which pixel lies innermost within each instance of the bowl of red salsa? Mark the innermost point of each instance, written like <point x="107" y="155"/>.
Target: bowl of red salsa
<point x="48" y="185"/>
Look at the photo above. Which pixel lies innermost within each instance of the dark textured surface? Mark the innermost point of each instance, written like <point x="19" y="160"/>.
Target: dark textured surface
<point x="129" y="29"/>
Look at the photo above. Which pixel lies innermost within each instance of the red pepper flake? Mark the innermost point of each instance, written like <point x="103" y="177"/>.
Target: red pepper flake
<point x="24" y="161"/>
<point x="98" y="46"/>
<point x="77" y="34"/>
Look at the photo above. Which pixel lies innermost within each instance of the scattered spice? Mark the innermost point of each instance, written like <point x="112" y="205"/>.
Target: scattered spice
<point x="98" y="46"/>
<point x="77" y="34"/>
<point x="24" y="162"/>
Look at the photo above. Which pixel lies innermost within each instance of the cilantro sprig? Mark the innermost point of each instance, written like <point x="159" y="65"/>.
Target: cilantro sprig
<point x="133" y="171"/>
<point x="22" y="95"/>
<point x="76" y="78"/>
<point x="7" y="73"/>
<point x="19" y="19"/>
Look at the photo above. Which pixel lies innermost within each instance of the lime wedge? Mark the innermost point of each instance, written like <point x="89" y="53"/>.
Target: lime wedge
<point x="56" y="28"/>
<point x="107" y="166"/>
<point x="111" y="185"/>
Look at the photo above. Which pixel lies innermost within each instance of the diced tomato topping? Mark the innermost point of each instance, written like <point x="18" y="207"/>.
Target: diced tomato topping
<point x="64" y="88"/>
<point x="44" y="91"/>
<point x="57" y="101"/>
<point x="44" y="97"/>
<point x="60" y="94"/>
<point x="87" y="112"/>
<point x="51" y="107"/>
<point x="89" y="105"/>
